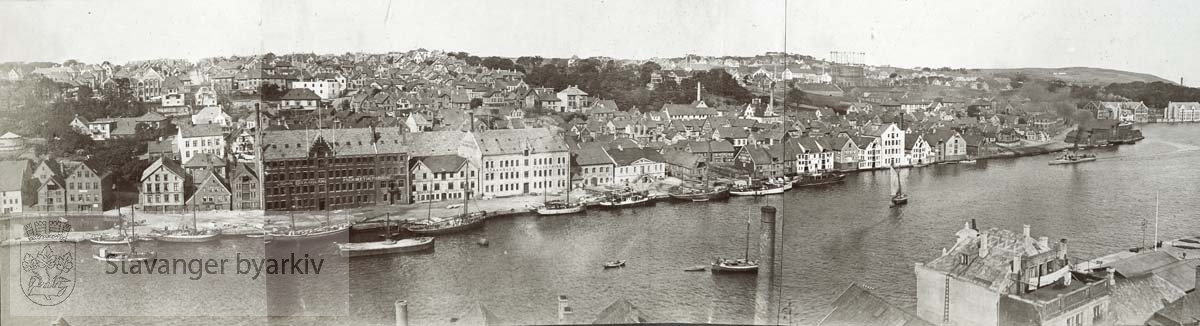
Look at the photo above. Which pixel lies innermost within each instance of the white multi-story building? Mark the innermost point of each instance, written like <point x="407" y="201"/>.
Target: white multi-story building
<point x="15" y="186"/>
<point x="917" y="150"/>
<point x="637" y="165"/>
<point x="324" y="88"/>
<point x="891" y="145"/>
<point x="1182" y="112"/>
<point x="572" y="99"/>
<point x="812" y="155"/>
<point x="164" y="186"/>
<point x="196" y="139"/>
<point x="443" y="177"/>
<point x="520" y="161"/>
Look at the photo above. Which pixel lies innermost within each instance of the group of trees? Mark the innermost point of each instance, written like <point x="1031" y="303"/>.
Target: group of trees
<point x="1155" y="94"/>
<point x="36" y="108"/>
<point x="626" y="84"/>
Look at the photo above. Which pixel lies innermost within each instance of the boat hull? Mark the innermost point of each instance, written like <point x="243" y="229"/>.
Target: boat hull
<point x="819" y="181"/>
<point x="722" y="268"/>
<point x="759" y="192"/>
<point x="703" y="196"/>
<point x="385" y="248"/>
<point x="421" y="230"/>
<point x="324" y="235"/>
<point x="560" y="211"/>
<point x="109" y="242"/>
<point x="1082" y="160"/>
<point x="627" y="203"/>
<point x="188" y="238"/>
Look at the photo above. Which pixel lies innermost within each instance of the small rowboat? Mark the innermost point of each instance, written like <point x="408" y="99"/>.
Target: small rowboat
<point x="694" y="269"/>
<point x="614" y="264"/>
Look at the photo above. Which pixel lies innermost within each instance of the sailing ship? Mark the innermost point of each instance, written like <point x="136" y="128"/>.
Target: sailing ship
<point x="386" y="247"/>
<point x="899" y="198"/>
<point x="559" y="207"/>
<point x="190" y="235"/>
<point x="769" y="187"/>
<point x="114" y="239"/>
<point x="743" y="264"/>
<point x="818" y="179"/>
<point x="124" y="256"/>
<point x="702" y="194"/>
<point x="465" y="221"/>
<point x="626" y="198"/>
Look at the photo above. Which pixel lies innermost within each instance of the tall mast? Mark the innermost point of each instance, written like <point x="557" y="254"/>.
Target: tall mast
<point x="747" y="256"/>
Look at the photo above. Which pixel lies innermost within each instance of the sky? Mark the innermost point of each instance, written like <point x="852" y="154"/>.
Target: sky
<point x="1156" y="37"/>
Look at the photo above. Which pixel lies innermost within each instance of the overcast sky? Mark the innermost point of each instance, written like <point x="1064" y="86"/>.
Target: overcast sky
<point x="1157" y="37"/>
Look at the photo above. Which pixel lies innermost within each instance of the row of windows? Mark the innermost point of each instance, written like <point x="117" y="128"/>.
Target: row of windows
<point x="336" y="160"/>
<point x="595" y="169"/>
<point x="516" y="186"/>
<point x="438" y="186"/>
<point x="514" y="175"/>
<point x="204" y="142"/>
<point x="161" y="187"/>
<point x="163" y="199"/>
<point x="512" y="163"/>
<point x="443" y="175"/>
<point x="340" y="200"/>
<point x="321" y="189"/>
<point x="83" y="185"/>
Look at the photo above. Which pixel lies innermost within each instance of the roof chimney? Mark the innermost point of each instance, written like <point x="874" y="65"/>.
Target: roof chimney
<point x="1025" y="231"/>
<point x="973" y="225"/>
<point x="1044" y="242"/>
<point x="1062" y="249"/>
<point x="984" y="247"/>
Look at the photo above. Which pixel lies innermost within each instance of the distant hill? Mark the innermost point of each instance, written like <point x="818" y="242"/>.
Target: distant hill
<point x="1079" y="75"/>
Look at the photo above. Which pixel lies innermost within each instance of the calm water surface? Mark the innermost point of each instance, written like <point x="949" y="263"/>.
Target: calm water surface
<point x="832" y="237"/>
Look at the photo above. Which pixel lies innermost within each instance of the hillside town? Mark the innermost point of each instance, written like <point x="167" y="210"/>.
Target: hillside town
<point x="314" y="134"/>
<point x="243" y="133"/>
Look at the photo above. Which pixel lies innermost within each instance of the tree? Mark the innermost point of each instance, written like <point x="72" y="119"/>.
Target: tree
<point x="476" y="102"/>
<point x="498" y="63"/>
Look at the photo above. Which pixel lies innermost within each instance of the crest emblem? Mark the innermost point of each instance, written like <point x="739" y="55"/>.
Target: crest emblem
<point x="47" y="275"/>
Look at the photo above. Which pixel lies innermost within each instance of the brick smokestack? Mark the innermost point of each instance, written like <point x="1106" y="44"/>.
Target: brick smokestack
<point x="1062" y="249"/>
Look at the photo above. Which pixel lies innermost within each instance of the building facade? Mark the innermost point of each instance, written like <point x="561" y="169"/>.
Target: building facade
<point x="443" y="177"/>
<point x="521" y="161"/>
<point x="334" y="168"/>
<point x="193" y="140"/>
<point x="998" y="277"/>
<point x="165" y="186"/>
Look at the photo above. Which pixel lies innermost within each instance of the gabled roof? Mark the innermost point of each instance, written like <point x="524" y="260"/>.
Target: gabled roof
<point x="204" y="160"/>
<point x="514" y="141"/>
<point x="163" y="164"/>
<point x="442" y="163"/>
<point x="300" y="94"/>
<point x="625" y="156"/>
<point x="621" y="312"/>
<point x="857" y="306"/>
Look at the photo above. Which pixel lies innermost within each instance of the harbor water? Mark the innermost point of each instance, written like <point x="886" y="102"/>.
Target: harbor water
<point x="832" y="236"/>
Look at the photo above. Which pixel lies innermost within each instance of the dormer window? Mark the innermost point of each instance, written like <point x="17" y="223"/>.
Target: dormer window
<point x="963" y="259"/>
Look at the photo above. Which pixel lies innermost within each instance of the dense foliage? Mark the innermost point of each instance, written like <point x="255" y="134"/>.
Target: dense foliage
<point x="626" y="84"/>
<point x="1156" y="94"/>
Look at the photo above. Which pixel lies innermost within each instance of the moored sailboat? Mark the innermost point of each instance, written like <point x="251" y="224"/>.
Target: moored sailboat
<point x="819" y="178"/>
<point x="743" y="264"/>
<point x="899" y="198"/>
<point x="625" y="199"/>
<point x="465" y="221"/>
<point x="388" y="246"/>
<point x="124" y="256"/>
<point x="559" y="207"/>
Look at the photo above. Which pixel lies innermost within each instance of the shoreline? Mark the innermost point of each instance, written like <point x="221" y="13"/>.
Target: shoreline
<point x="367" y="219"/>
